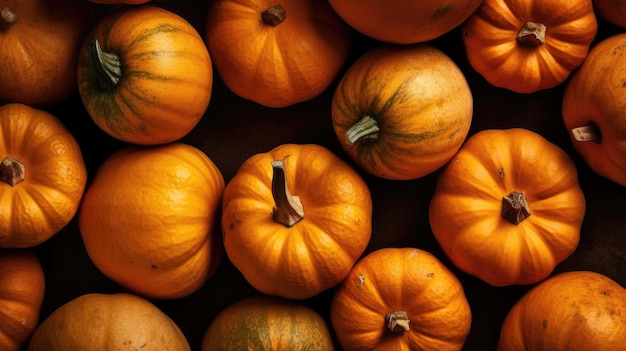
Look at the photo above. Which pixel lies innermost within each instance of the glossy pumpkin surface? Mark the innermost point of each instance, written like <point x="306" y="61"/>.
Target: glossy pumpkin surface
<point x="295" y="227"/>
<point x="527" y="46"/>
<point x="508" y="207"/>
<point x="42" y="175"/>
<point x="594" y="109"/>
<point x="148" y="219"/>
<point x="401" y="112"/>
<point x="400" y="299"/>
<point x="145" y="75"/>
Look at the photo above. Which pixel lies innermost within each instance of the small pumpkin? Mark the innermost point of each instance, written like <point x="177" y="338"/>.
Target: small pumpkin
<point x="261" y="322"/>
<point x="612" y="11"/>
<point x="145" y="75"/>
<point x="528" y="46"/>
<point x="508" y="207"/>
<point x="295" y="219"/>
<point x="400" y="299"/>
<point x="42" y="176"/>
<point x="22" y="288"/>
<point x="577" y="310"/>
<point x="401" y="112"/>
<point x="594" y="109"/>
<point x="148" y="219"/>
<point x="277" y="53"/>
<point x="95" y="322"/>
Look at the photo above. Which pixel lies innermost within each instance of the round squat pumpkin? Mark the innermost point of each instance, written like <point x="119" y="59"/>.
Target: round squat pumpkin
<point x="96" y="322"/>
<point x="400" y="299"/>
<point x="261" y="322"/>
<point x="401" y="112"/>
<point x="613" y="11"/>
<point x="148" y="219"/>
<point x="508" y="207"/>
<point x="145" y="75"/>
<point x="22" y="288"/>
<point x="594" y="109"/>
<point x="577" y="310"/>
<point x="42" y="176"/>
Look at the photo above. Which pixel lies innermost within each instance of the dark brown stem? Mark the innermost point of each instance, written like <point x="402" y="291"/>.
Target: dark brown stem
<point x="515" y="207"/>
<point x="589" y="132"/>
<point x="8" y="15"/>
<point x="288" y="210"/>
<point x="106" y="65"/>
<point x="398" y="322"/>
<point x="274" y="15"/>
<point x="12" y="171"/>
<point x="532" y="34"/>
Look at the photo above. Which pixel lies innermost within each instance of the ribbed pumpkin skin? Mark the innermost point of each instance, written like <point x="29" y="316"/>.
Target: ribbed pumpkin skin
<point x="267" y="323"/>
<point x="166" y="76"/>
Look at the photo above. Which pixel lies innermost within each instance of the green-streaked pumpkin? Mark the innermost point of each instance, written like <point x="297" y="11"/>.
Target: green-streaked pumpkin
<point x="145" y="75"/>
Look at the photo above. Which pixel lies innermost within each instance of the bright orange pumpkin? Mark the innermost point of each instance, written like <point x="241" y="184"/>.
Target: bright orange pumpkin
<point x="401" y="112"/>
<point x="148" y="219"/>
<point x="22" y="288"/>
<point x="400" y="299"/>
<point x="527" y="46"/>
<point x="42" y="176"/>
<point x="508" y="207"/>
<point x="276" y="53"/>
<point x="295" y="219"/>
<point x="613" y="11"/>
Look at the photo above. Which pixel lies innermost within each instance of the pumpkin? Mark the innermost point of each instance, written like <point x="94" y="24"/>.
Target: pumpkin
<point x="145" y="75"/>
<point x="594" y="109"/>
<point x="404" y="21"/>
<point x="508" y="207"/>
<point x="40" y="41"/>
<point x="400" y="299"/>
<point x="148" y="219"/>
<point x="261" y="322"/>
<point x="528" y="46"/>
<point x="576" y="310"/>
<point x="42" y="176"/>
<point x="22" y="288"/>
<point x="612" y="11"/>
<point x="401" y="112"/>
<point x="276" y="53"/>
<point x="119" y="2"/>
<point x="120" y="321"/>
<point x="295" y="219"/>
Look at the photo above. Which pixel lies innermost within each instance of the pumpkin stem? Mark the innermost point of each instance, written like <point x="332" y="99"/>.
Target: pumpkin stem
<point x="274" y="15"/>
<point x="106" y="64"/>
<point x="590" y="132"/>
<point x="288" y="210"/>
<point x="398" y="322"/>
<point x="8" y="15"/>
<point x="365" y="128"/>
<point x="12" y="171"/>
<point x="515" y="207"/>
<point x="532" y="34"/>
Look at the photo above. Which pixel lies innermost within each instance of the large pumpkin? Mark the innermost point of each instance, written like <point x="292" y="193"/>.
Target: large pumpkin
<point x="276" y="53"/>
<point x="40" y="41"/>
<point x="508" y="207"/>
<point x="527" y="46"/>
<point x="400" y="299"/>
<point x="594" y="109"/>
<point x="613" y="11"/>
<point x="42" y="175"/>
<point x="22" y="288"/>
<point x="261" y="322"/>
<point x="401" y="112"/>
<point x="404" y="21"/>
<point x="96" y="322"/>
<point x="295" y="219"/>
<point x="578" y="310"/>
<point x="145" y="75"/>
<point x="148" y="219"/>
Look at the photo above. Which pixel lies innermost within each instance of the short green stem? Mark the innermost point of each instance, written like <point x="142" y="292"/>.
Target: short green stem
<point x="365" y="128"/>
<point x="106" y="65"/>
<point x="288" y="209"/>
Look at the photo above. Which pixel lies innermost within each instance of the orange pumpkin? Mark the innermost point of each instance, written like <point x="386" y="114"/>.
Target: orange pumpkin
<point x="118" y="2"/>
<point x="527" y="46"/>
<point x="401" y="112"/>
<point x="578" y="310"/>
<point x="508" y="207"/>
<point x="95" y="322"/>
<point x="40" y="41"/>
<point x="613" y="11"/>
<point x="148" y="219"/>
<point x="22" y="288"/>
<point x="145" y="75"/>
<point x="594" y="109"/>
<point x="276" y="53"/>
<point x="295" y="219"/>
<point x="400" y="299"/>
<point x="42" y="176"/>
